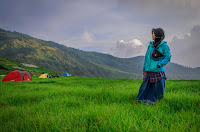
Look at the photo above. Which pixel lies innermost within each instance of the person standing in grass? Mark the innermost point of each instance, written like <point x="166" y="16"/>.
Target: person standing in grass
<point x="154" y="78"/>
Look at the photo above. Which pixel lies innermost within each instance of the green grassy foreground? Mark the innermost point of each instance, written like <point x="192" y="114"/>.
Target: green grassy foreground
<point x="89" y="104"/>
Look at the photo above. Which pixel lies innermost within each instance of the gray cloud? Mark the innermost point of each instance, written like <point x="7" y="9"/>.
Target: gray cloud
<point x="186" y="50"/>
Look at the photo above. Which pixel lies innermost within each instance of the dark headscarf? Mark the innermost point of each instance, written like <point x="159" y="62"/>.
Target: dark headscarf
<point x="160" y="35"/>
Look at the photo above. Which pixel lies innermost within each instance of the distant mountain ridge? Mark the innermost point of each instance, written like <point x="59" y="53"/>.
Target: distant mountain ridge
<point x="60" y="58"/>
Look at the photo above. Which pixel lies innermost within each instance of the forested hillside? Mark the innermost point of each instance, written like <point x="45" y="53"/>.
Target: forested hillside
<point x="8" y="65"/>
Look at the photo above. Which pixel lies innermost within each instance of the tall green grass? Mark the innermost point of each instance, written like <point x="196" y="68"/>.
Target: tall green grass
<point x="96" y="104"/>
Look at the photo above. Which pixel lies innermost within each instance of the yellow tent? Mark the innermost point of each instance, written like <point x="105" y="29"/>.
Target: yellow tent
<point x="45" y="75"/>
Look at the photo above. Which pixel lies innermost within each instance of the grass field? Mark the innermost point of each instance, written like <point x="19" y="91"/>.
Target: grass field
<point x="96" y="104"/>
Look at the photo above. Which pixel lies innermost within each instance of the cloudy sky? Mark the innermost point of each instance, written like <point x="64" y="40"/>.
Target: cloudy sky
<point x="118" y="27"/>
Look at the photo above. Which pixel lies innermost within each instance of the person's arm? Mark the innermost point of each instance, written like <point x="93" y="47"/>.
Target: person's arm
<point x="167" y="57"/>
<point x="145" y="58"/>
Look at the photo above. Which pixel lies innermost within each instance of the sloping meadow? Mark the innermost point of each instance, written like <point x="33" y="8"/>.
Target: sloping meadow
<point x="96" y="104"/>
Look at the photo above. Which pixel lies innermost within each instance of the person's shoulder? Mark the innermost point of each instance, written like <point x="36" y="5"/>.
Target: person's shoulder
<point x="163" y="42"/>
<point x="150" y="43"/>
<point x="165" y="45"/>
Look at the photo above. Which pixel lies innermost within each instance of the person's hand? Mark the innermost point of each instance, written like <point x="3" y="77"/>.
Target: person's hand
<point x="158" y="66"/>
<point x="144" y="73"/>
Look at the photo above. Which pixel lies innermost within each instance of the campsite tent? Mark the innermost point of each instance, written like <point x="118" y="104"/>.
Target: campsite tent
<point x="65" y="74"/>
<point x="45" y="75"/>
<point x="17" y="75"/>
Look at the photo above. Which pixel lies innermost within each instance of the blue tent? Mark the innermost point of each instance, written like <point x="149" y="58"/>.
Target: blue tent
<point x="65" y="74"/>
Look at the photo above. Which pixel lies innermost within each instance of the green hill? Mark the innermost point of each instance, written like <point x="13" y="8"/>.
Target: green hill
<point x="59" y="58"/>
<point x="8" y="65"/>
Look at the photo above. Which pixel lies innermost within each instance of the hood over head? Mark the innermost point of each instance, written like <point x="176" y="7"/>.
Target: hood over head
<point x="159" y="36"/>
